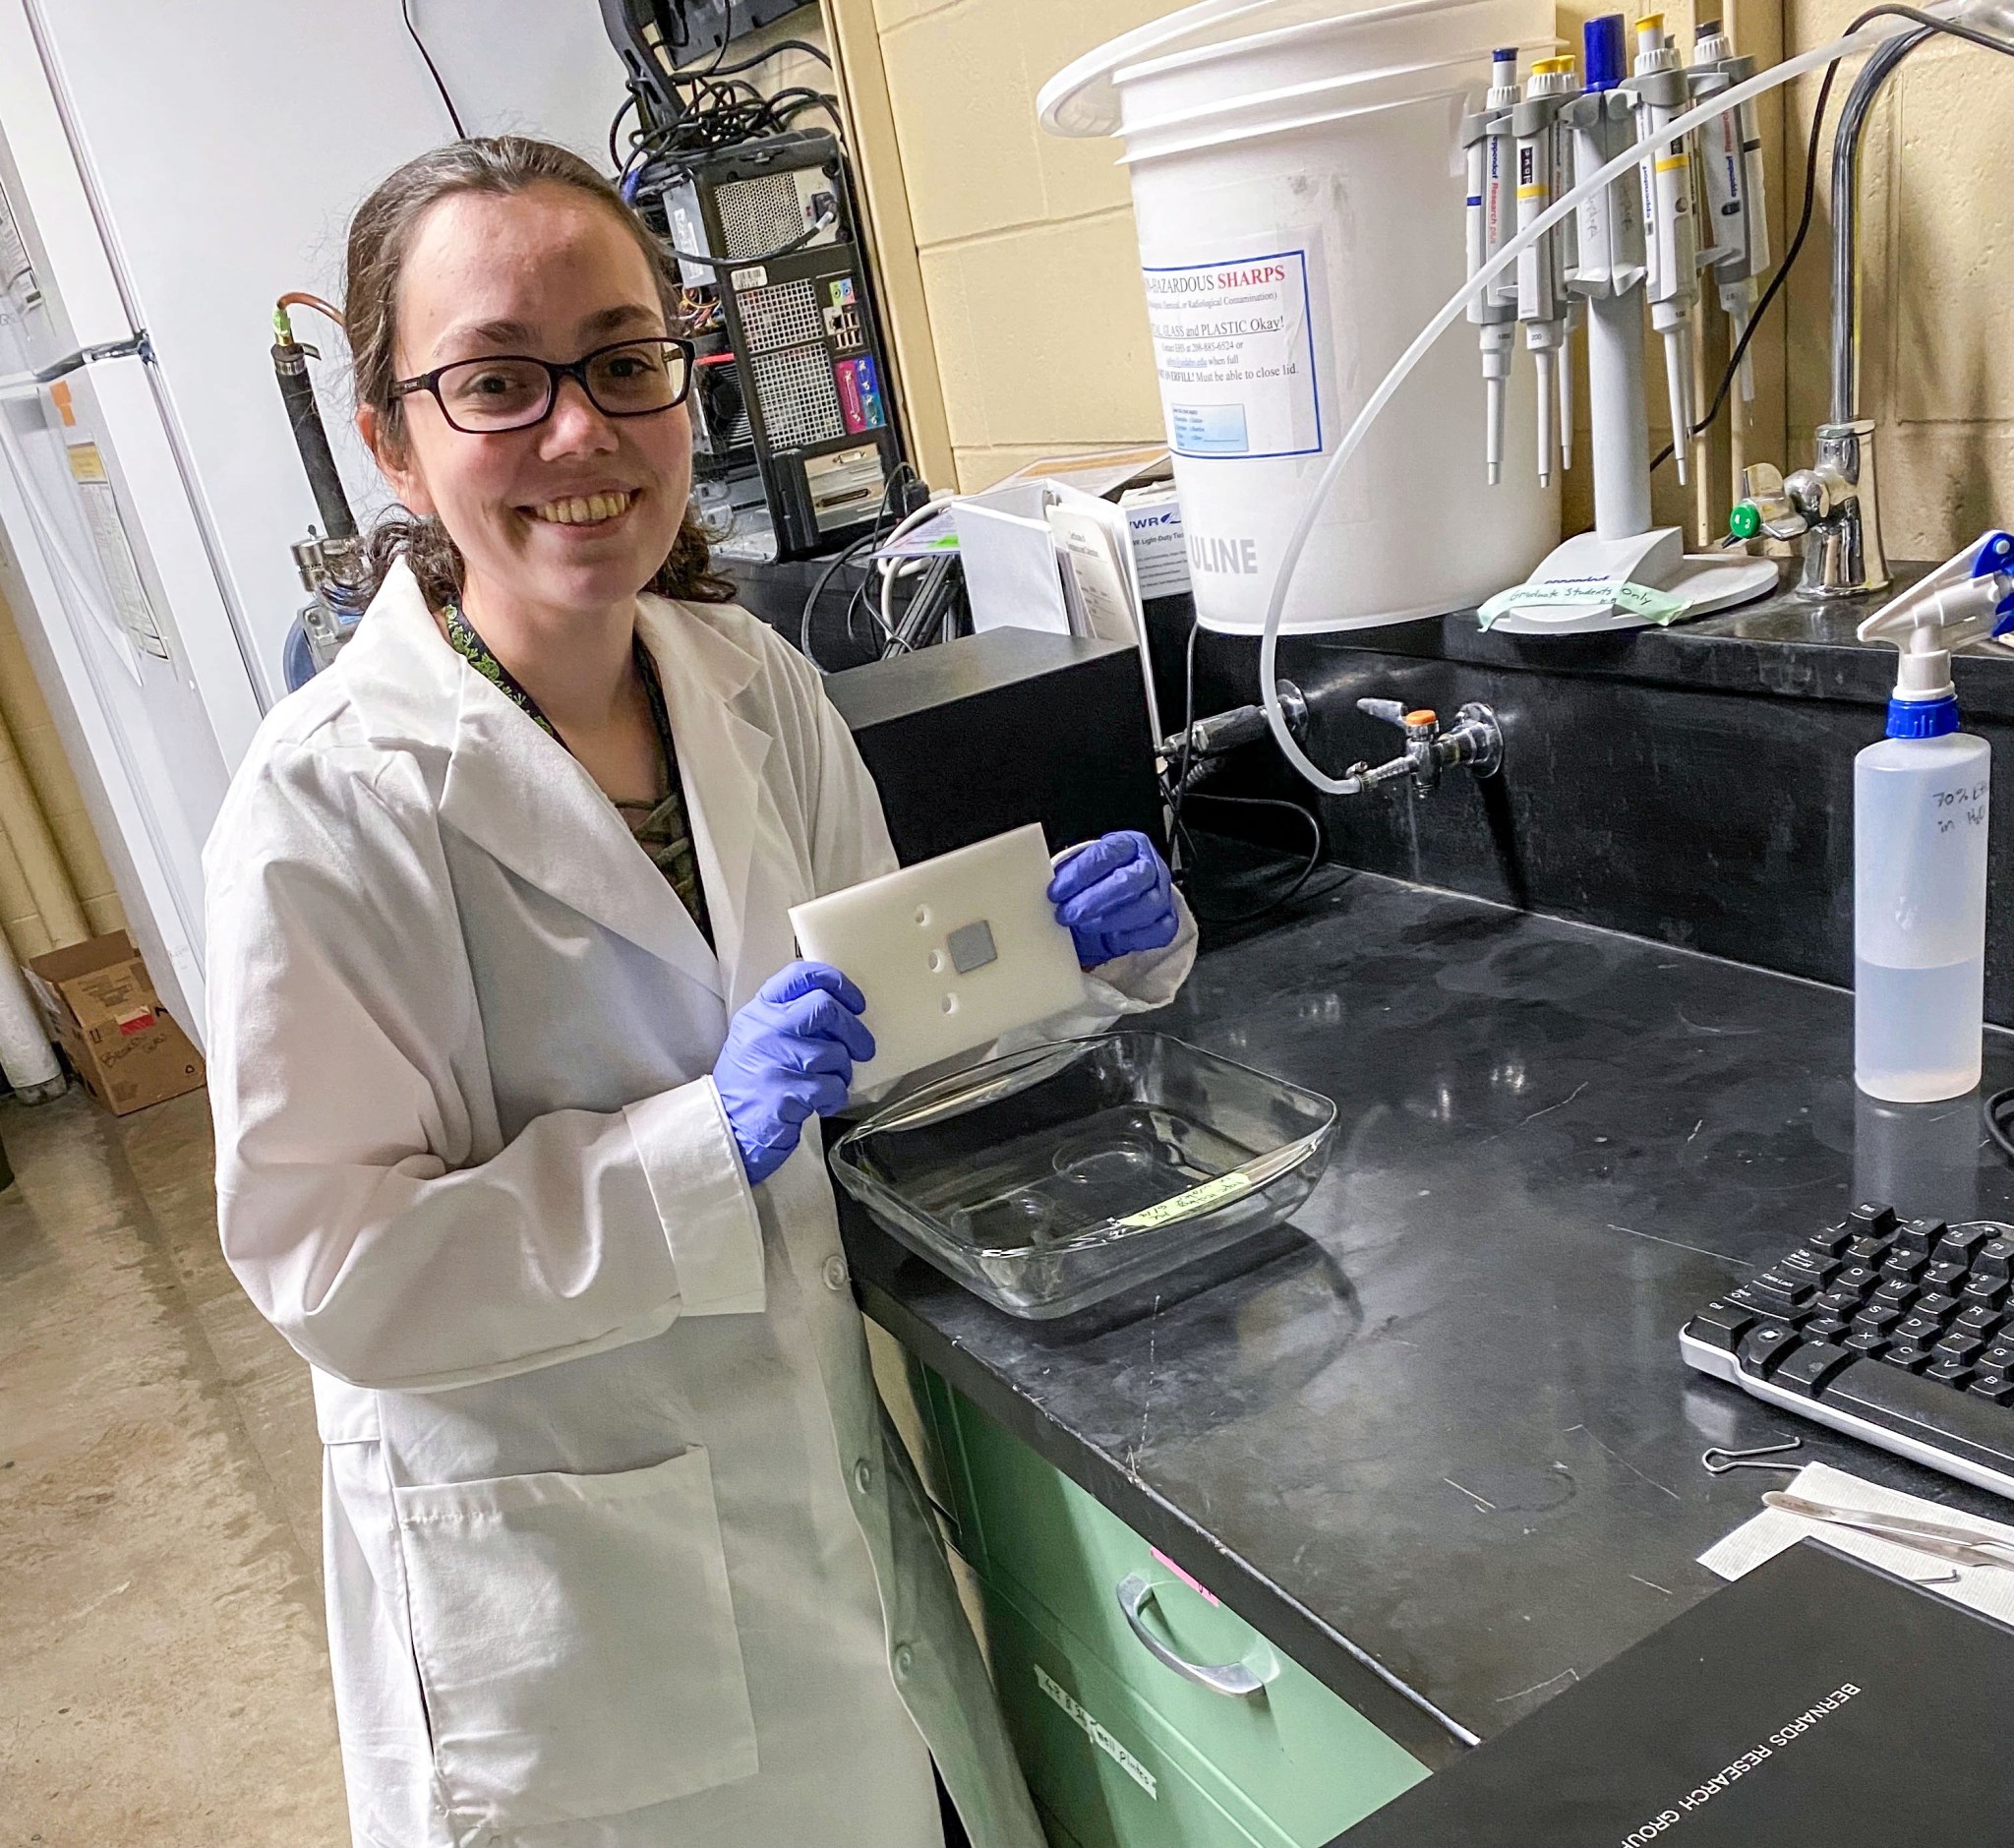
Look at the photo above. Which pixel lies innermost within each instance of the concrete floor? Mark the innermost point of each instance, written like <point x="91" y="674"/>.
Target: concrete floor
<point x="163" y="1673"/>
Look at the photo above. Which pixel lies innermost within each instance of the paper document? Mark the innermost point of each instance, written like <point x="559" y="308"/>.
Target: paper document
<point x="1010" y="569"/>
<point x="1160" y="561"/>
<point x="1096" y="547"/>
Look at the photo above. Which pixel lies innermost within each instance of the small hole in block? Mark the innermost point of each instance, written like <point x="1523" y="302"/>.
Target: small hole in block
<point x="949" y="1005"/>
<point x="923" y="915"/>
<point x="937" y="962"/>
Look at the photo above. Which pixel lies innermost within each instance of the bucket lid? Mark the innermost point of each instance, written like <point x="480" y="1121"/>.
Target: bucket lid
<point x="1267" y="82"/>
<point x="1310" y="105"/>
<point x="1081" y="99"/>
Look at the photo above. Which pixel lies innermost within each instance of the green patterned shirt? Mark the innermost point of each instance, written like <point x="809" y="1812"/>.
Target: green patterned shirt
<point x="660" y="827"/>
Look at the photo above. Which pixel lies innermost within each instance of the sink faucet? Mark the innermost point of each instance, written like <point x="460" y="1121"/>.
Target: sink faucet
<point x="1833" y="505"/>
<point x="1474" y="738"/>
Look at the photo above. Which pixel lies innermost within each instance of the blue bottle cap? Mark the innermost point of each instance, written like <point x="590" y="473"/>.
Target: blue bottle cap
<point x="1922" y="718"/>
<point x="1604" y="53"/>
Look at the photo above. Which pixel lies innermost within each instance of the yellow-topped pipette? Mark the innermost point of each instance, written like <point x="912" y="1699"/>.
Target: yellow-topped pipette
<point x="1543" y="305"/>
<point x="1671" y="243"/>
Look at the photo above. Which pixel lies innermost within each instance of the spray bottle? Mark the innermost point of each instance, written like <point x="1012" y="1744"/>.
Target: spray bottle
<point x="1920" y="842"/>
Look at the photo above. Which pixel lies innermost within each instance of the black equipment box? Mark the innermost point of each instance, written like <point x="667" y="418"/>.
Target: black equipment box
<point x="684" y="31"/>
<point x="990" y="731"/>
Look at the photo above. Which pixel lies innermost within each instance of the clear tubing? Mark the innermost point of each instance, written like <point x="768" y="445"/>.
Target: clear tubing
<point x="1865" y="40"/>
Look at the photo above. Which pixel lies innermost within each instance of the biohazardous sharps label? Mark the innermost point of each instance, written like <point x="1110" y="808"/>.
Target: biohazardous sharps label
<point x="1234" y="346"/>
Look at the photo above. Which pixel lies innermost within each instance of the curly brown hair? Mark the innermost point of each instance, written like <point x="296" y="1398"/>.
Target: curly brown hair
<point x="380" y="236"/>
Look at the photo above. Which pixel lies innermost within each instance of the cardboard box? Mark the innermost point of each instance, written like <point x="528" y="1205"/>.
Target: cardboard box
<point x="102" y="1011"/>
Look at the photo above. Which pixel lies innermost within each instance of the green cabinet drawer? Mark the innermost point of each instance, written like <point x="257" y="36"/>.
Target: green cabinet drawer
<point x="1304" y="1759"/>
<point x="1099" y="1761"/>
<point x="1052" y="1827"/>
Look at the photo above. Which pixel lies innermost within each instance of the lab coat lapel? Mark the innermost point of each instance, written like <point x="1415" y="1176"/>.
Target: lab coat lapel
<point x="722" y="756"/>
<point x="514" y="790"/>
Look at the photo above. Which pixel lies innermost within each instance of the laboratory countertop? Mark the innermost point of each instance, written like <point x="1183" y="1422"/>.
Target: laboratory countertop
<point x="1785" y="645"/>
<point x="1435" y="1438"/>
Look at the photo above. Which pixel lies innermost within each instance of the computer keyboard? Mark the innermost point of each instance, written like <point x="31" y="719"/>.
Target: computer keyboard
<point x="1898" y="1330"/>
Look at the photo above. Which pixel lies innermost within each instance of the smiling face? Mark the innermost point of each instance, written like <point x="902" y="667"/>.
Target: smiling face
<point x="575" y="515"/>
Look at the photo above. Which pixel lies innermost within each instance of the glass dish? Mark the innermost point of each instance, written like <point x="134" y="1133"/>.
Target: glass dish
<point x="1054" y="1178"/>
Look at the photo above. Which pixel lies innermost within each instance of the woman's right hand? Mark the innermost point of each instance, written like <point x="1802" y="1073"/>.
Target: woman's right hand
<point x="790" y="1054"/>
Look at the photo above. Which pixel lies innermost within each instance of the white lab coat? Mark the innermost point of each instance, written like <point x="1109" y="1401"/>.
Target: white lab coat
<point x="620" y="1547"/>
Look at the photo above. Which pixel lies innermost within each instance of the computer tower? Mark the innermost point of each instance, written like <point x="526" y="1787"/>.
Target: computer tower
<point x="770" y="229"/>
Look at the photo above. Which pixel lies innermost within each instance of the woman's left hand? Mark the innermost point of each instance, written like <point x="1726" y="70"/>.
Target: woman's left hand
<point x="1114" y="895"/>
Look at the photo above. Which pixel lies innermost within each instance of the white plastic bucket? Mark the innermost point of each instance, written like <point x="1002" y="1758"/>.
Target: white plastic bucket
<point x="1298" y="195"/>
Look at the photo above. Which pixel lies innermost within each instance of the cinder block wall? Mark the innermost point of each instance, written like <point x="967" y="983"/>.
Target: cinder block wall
<point x="1030" y="265"/>
<point x="1937" y="319"/>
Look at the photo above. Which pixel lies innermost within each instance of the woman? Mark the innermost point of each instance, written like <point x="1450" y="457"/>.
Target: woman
<point x="513" y="1080"/>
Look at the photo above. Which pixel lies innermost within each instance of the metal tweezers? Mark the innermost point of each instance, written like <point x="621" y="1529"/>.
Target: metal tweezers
<point x="1966" y="1546"/>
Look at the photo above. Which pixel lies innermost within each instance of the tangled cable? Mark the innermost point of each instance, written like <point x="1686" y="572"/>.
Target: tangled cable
<point x="713" y="106"/>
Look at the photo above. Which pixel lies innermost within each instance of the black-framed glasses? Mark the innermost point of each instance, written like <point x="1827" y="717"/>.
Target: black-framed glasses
<point x="514" y="392"/>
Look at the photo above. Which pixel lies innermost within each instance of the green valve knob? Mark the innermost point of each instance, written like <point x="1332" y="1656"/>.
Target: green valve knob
<point x="1745" y="521"/>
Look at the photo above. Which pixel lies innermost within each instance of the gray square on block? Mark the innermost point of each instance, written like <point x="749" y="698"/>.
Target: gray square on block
<point x="971" y="947"/>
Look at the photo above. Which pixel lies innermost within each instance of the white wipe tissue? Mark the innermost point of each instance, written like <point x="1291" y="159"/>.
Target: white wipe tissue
<point x="1989" y="1589"/>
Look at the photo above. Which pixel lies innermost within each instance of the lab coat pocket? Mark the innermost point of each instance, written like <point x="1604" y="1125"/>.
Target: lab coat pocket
<point x="575" y="1642"/>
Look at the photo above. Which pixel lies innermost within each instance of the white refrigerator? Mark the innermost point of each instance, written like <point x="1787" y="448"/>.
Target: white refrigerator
<point x="166" y="172"/>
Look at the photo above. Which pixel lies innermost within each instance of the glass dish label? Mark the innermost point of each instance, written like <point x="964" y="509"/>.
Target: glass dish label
<point x="1196" y="1199"/>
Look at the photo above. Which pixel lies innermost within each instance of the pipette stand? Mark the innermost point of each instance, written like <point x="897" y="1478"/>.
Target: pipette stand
<point x="1624" y="548"/>
<point x="1591" y="569"/>
<point x="1657" y="560"/>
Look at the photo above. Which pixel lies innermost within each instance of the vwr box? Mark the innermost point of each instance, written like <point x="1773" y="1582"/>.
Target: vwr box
<point x="101" y="1009"/>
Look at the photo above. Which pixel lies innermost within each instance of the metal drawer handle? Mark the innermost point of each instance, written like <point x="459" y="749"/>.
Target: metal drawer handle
<point x="1232" y="1677"/>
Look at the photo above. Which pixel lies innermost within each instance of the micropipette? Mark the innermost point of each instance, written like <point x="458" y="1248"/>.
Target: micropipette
<point x="1607" y="270"/>
<point x="1671" y="237"/>
<point x="1736" y="207"/>
<point x="1542" y="305"/>
<point x="1541" y="274"/>
<point x="1568" y="235"/>
<point x="1485" y="142"/>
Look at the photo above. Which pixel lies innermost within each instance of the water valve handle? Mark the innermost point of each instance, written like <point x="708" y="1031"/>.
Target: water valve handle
<point x="1784" y="507"/>
<point x="1396" y="712"/>
<point x="1474" y="738"/>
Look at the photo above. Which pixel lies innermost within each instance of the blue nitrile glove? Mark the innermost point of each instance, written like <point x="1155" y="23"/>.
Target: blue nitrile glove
<point x="1115" y="896"/>
<point x="790" y="1054"/>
